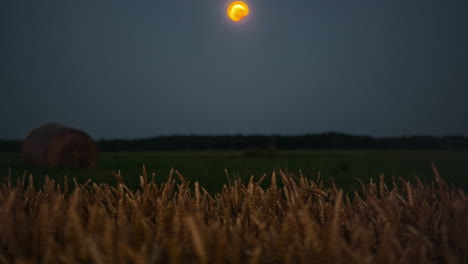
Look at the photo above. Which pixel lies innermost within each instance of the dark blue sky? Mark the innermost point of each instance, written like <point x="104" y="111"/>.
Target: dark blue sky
<point x="139" y="68"/>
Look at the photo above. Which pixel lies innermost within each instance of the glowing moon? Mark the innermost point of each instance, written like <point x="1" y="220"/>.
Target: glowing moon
<point x="237" y="10"/>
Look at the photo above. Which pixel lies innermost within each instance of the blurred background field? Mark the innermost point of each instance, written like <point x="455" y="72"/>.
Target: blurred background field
<point x="208" y="167"/>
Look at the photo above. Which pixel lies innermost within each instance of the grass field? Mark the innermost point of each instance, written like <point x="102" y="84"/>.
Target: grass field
<point x="342" y="166"/>
<point x="291" y="220"/>
<point x="282" y="218"/>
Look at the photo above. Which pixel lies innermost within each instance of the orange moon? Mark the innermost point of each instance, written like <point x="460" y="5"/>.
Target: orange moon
<point x="237" y="10"/>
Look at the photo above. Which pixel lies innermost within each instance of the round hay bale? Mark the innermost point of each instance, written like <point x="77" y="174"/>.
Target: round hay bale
<point x="54" y="146"/>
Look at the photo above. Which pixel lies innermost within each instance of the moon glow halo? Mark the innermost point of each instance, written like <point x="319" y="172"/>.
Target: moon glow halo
<point x="237" y="10"/>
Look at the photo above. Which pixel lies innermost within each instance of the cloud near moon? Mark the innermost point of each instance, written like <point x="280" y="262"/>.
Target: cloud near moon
<point x="237" y="10"/>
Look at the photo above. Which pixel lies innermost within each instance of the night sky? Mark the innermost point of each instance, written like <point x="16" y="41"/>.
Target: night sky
<point x="140" y="68"/>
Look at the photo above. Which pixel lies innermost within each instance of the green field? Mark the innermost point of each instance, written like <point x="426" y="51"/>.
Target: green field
<point x="342" y="166"/>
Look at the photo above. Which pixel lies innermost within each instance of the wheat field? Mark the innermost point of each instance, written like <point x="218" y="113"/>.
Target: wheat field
<point x="280" y="218"/>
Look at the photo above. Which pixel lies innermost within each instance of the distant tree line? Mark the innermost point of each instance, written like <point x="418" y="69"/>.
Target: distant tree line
<point x="261" y="142"/>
